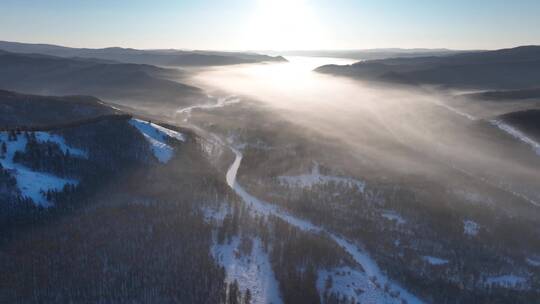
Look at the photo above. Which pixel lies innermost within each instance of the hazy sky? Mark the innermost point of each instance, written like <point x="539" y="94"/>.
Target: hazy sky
<point x="273" y="24"/>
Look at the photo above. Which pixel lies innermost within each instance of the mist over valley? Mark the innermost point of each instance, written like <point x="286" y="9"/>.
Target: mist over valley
<point x="164" y="161"/>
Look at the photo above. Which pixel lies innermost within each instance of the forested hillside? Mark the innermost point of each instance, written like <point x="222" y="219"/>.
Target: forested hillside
<point x="25" y="111"/>
<point x="110" y="224"/>
<point x="122" y="210"/>
<point x="50" y="75"/>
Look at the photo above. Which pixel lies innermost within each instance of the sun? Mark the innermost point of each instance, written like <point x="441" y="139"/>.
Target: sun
<point x="283" y="24"/>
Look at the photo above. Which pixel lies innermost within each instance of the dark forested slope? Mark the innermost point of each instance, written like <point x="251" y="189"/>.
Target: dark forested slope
<point x="23" y="110"/>
<point x="111" y="224"/>
<point x="129" y="226"/>
<point x="49" y="75"/>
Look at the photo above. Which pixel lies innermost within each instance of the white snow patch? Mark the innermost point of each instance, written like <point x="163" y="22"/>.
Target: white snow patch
<point x="473" y="197"/>
<point x="257" y="144"/>
<point x="517" y="134"/>
<point x="316" y="178"/>
<point x="361" y="257"/>
<point x="392" y="215"/>
<point x="434" y="260"/>
<point x="157" y="137"/>
<point x="48" y="137"/>
<point x="508" y="281"/>
<point x="161" y="150"/>
<point x="533" y="261"/>
<point x="470" y="228"/>
<point x="34" y="184"/>
<point x="216" y="213"/>
<point x="353" y="284"/>
<point x="252" y="272"/>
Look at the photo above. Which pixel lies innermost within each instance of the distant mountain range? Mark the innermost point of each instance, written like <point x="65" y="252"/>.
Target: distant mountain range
<point x="533" y="93"/>
<point x="370" y="54"/>
<point x="50" y="75"/>
<point x="154" y="57"/>
<point x="97" y="204"/>
<point x="516" y="68"/>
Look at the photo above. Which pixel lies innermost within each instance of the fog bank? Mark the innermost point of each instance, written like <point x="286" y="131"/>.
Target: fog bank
<point x="404" y="130"/>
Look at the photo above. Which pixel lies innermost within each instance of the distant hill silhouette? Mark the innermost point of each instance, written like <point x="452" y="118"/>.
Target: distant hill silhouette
<point x="153" y="57"/>
<point x="49" y="75"/>
<point x="371" y="54"/>
<point x="533" y="93"/>
<point x="516" y="68"/>
<point x="23" y="110"/>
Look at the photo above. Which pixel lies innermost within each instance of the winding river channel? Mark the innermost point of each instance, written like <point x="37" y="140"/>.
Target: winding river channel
<point x="427" y="131"/>
<point x="265" y="208"/>
<point x="261" y="207"/>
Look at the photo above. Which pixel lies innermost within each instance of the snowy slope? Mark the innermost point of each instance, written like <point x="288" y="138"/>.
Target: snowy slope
<point x="353" y="284"/>
<point x="392" y="215"/>
<point x="508" y="281"/>
<point x="216" y="213"/>
<point x="157" y="136"/>
<point x="33" y="184"/>
<point x="316" y="178"/>
<point x="470" y="228"/>
<point x="533" y="261"/>
<point x="435" y="260"/>
<point x="48" y="137"/>
<point x="252" y="272"/>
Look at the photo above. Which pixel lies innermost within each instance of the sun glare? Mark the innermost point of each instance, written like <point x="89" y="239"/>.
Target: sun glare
<point x="283" y="24"/>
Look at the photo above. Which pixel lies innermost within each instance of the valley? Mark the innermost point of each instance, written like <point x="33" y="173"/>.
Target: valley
<point x="387" y="193"/>
<point x="286" y="185"/>
<point x="269" y="152"/>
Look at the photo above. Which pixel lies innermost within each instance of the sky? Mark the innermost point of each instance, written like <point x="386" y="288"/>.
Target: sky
<point x="273" y="24"/>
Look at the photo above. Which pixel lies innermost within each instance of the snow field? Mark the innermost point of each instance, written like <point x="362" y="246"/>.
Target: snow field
<point x="392" y="215"/>
<point x="435" y="260"/>
<point x="353" y="284"/>
<point x="157" y="138"/>
<point x="470" y="228"/>
<point x="31" y="183"/>
<point x="316" y="178"/>
<point x="507" y="281"/>
<point x="252" y="271"/>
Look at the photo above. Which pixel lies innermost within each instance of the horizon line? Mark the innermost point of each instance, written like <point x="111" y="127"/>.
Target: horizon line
<point x="272" y="50"/>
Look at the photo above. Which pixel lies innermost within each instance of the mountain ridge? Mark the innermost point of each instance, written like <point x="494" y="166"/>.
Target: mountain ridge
<point x="153" y="57"/>
<point x="514" y="68"/>
<point x="51" y="75"/>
